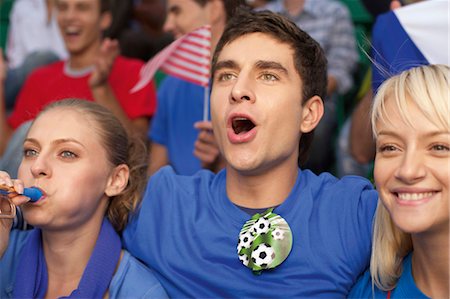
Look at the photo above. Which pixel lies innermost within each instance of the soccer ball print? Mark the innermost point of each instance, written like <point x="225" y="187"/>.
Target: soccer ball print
<point x="264" y="242"/>
<point x="263" y="255"/>
<point x="245" y="240"/>
<point x="261" y="226"/>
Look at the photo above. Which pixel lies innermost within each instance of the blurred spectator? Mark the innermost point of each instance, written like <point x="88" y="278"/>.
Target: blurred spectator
<point x="33" y="40"/>
<point x="93" y="71"/>
<point x="329" y="23"/>
<point x="174" y="139"/>
<point x="30" y="32"/>
<point x="138" y="25"/>
<point x="121" y="11"/>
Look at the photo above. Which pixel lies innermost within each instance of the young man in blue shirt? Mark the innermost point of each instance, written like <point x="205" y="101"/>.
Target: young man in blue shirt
<point x="198" y="233"/>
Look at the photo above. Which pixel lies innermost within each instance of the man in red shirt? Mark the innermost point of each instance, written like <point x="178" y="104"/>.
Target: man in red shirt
<point x="94" y="72"/>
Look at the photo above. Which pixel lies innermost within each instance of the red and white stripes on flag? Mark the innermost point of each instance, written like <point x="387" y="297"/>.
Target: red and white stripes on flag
<point x="187" y="58"/>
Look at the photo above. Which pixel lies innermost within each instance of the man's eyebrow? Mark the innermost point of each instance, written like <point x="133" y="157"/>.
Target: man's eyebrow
<point x="272" y="65"/>
<point x="224" y="64"/>
<point x="173" y="9"/>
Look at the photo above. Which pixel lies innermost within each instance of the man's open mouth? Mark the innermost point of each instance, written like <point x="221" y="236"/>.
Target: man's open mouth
<point x="242" y="125"/>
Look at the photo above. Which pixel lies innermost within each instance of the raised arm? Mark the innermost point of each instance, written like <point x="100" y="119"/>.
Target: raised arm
<point x="158" y="157"/>
<point x="362" y="145"/>
<point x="103" y="93"/>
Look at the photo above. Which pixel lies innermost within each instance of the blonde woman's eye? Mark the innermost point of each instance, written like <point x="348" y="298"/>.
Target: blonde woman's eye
<point x="441" y="147"/>
<point x="68" y="154"/>
<point x="387" y="148"/>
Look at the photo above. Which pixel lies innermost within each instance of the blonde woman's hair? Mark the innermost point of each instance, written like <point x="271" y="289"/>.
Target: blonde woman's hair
<point x="428" y="87"/>
<point x="425" y="86"/>
<point x="121" y="148"/>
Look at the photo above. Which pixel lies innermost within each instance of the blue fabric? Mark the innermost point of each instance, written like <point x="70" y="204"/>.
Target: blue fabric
<point x="10" y="259"/>
<point x="180" y="105"/>
<point x="31" y="279"/>
<point x="187" y="231"/>
<point x="134" y="280"/>
<point x="406" y="287"/>
<point x="393" y="52"/>
<point x="131" y="280"/>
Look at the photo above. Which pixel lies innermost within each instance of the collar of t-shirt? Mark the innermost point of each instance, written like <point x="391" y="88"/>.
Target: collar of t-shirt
<point x="251" y="211"/>
<point x="68" y="71"/>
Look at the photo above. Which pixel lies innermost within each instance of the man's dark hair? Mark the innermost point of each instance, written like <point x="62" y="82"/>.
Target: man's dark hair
<point x="105" y="5"/>
<point x="230" y="6"/>
<point x="309" y="58"/>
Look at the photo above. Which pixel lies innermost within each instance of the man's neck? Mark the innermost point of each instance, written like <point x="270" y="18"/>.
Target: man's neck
<point x="263" y="190"/>
<point x="84" y="59"/>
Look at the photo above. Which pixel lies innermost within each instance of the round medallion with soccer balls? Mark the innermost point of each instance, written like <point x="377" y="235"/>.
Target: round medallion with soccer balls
<point x="265" y="241"/>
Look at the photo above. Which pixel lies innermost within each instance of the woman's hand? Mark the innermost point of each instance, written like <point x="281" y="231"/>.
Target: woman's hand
<point x="8" y="203"/>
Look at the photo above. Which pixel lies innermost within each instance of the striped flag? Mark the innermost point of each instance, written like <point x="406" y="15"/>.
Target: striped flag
<point x="187" y="58"/>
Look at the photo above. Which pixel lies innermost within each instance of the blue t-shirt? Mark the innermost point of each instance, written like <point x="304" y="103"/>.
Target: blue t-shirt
<point x="180" y="105"/>
<point x="187" y="231"/>
<point x="406" y="287"/>
<point x="131" y="280"/>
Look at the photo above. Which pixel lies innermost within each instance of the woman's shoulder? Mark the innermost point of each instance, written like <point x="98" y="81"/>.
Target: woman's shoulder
<point x="405" y="288"/>
<point x="134" y="280"/>
<point x="364" y="288"/>
<point x="10" y="259"/>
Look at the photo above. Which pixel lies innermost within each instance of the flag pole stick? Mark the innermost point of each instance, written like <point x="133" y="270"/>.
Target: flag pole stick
<point x="206" y="103"/>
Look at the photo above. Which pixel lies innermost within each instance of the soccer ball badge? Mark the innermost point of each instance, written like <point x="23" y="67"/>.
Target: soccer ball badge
<point x="265" y="241"/>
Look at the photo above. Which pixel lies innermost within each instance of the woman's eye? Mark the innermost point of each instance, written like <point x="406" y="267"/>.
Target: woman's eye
<point x="387" y="148"/>
<point x="68" y="154"/>
<point x="440" y="147"/>
<point x="29" y="153"/>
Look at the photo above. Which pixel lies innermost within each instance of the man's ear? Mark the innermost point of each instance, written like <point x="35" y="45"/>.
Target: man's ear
<point x="105" y="20"/>
<point x="312" y="113"/>
<point x="118" y="180"/>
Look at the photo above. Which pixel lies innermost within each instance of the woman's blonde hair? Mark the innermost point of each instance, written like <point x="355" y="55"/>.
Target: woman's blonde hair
<point x="121" y="148"/>
<point x="427" y="87"/>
